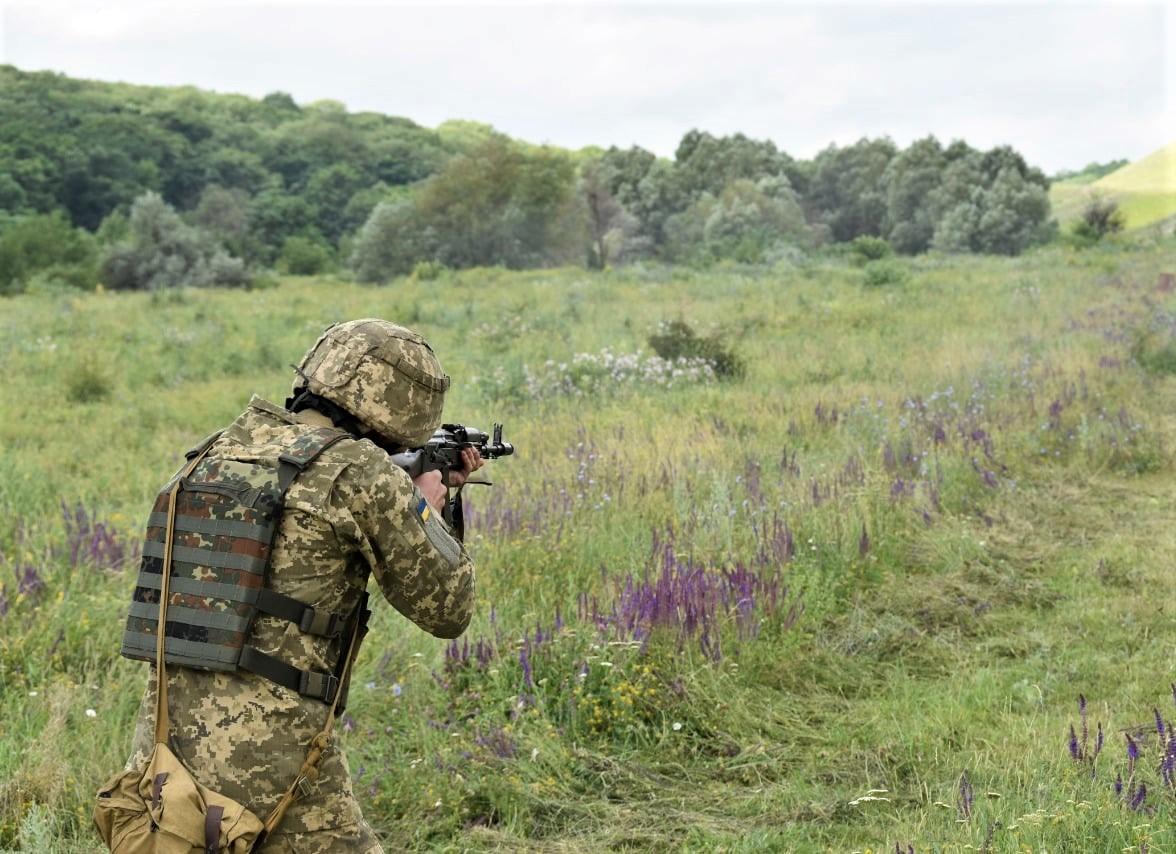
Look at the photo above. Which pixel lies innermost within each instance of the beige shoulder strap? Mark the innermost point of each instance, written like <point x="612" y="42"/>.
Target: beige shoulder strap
<point x="162" y="720"/>
<point x="320" y="743"/>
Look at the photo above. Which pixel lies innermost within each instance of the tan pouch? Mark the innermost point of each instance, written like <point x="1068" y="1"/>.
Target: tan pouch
<point x="160" y="808"/>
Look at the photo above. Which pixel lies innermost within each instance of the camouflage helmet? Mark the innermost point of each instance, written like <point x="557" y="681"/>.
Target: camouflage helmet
<point x="385" y="375"/>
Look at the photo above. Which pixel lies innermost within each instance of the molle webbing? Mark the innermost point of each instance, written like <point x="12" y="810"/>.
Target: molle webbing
<point x="227" y="515"/>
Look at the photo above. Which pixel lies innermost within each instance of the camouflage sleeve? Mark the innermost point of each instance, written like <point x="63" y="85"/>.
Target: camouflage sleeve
<point x="422" y="570"/>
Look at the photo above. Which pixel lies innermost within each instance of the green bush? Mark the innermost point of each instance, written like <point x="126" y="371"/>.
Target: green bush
<point x="389" y="243"/>
<point x="163" y="251"/>
<point x="866" y="248"/>
<point x="1100" y="217"/>
<point x="86" y="383"/>
<point x="1155" y="353"/>
<point x="304" y="256"/>
<point x="45" y="242"/>
<point x="881" y="273"/>
<point x="427" y="271"/>
<point x="678" y="340"/>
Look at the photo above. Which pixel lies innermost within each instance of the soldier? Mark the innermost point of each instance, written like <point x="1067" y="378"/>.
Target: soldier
<point x="366" y="388"/>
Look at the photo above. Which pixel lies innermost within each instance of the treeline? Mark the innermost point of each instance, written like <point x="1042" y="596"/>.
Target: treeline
<point x="142" y="187"/>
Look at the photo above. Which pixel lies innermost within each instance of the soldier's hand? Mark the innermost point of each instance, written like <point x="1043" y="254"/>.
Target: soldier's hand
<point x="432" y="489"/>
<point x="471" y="462"/>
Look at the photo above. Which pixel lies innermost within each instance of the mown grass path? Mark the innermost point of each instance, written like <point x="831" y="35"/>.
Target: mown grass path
<point x="846" y="602"/>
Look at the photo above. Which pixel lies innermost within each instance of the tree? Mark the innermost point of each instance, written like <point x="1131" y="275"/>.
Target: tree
<point x="612" y="230"/>
<point x="236" y="169"/>
<point x="224" y="213"/>
<point x="502" y="204"/>
<point x="275" y="215"/>
<point x="910" y="179"/>
<point x="328" y="192"/>
<point x="708" y="164"/>
<point x="743" y="222"/>
<point x="390" y="242"/>
<point x="163" y="251"/>
<point x="846" y="190"/>
<point x="978" y="210"/>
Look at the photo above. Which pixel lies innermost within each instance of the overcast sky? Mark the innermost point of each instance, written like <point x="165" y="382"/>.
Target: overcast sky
<point x="1064" y="83"/>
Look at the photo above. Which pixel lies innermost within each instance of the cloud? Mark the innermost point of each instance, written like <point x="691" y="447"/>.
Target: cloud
<point x="1066" y="84"/>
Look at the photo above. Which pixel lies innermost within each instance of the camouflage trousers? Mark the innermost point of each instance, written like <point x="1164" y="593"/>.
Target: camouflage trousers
<point x="357" y="839"/>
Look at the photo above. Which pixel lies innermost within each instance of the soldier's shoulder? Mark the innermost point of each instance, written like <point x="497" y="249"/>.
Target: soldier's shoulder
<point x="366" y="466"/>
<point x="355" y="452"/>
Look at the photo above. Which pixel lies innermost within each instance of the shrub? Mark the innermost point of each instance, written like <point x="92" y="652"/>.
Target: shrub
<point x="881" y="273"/>
<point x="427" y="271"/>
<point x="1155" y="352"/>
<point x="1100" y="216"/>
<point x="866" y="247"/>
<point x="86" y="383"/>
<point x="164" y="252"/>
<point x="45" y="243"/>
<point x="678" y="340"/>
<point x="303" y="256"/>
<point x="389" y="243"/>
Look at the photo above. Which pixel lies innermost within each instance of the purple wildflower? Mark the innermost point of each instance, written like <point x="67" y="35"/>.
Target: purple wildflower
<point x="1132" y="750"/>
<point x="91" y="542"/>
<point x="966" y="797"/>
<point x="1159" y="725"/>
<point x="525" y="662"/>
<point x="1138" y="798"/>
<point x="498" y="741"/>
<point x="1119" y="784"/>
<point x="1075" y="750"/>
<point x="1082" y="716"/>
<point x="28" y="581"/>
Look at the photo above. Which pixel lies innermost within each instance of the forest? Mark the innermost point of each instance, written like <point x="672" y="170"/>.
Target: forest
<point x="140" y="187"/>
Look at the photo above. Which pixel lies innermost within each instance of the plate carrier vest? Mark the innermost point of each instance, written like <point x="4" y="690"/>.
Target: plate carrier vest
<point x="227" y="518"/>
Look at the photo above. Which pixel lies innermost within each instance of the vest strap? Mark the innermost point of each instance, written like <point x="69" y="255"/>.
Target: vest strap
<point x="308" y="683"/>
<point x="309" y="620"/>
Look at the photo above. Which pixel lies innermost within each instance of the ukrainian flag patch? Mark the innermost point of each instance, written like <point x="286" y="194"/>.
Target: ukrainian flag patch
<point x="423" y="509"/>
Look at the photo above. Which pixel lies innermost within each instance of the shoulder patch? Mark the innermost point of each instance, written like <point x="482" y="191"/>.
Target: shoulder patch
<point x="438" y="536"/>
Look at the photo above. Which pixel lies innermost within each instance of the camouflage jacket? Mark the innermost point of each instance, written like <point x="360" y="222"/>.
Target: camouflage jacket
<point x="349" y="513"/>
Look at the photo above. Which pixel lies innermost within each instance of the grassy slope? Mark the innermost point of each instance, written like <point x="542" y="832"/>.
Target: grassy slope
<point x="955" y="638"/>
<point x="1146" y="190"/>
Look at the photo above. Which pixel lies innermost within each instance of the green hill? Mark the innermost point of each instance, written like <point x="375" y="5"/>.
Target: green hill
<point x="1145" y="190"/>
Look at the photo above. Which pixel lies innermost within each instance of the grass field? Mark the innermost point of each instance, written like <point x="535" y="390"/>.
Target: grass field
<point x="1145" y="190"/>
<point x="927" y="518"/>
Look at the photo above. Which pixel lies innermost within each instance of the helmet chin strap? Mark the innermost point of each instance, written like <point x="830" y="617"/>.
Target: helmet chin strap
<point x="304" y="399"/>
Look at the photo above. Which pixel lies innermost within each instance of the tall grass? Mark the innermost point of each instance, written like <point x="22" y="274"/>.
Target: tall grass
<point x="845" y="601"/>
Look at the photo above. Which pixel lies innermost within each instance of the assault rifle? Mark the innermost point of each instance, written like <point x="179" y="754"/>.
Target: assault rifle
<point x="443" y="453"/>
